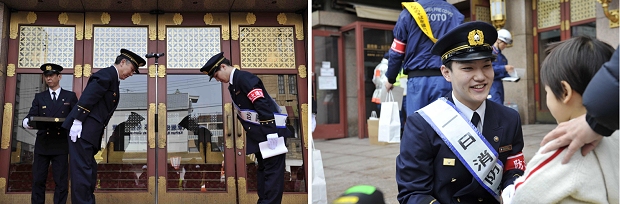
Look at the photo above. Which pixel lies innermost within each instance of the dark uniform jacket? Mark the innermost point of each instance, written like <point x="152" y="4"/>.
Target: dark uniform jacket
<point x="52" y="139"/>
<point x="601" y="98"/>
<point x="442" y="17"/>
<point x="96" y="105"/>
<point x="243" y="83"/>
<point x="421" y="175"/>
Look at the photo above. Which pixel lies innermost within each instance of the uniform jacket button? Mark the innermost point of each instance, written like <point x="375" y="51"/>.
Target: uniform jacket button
<point x="249" y="128"/>
<point x="480" y="200"/>
<point x="48" y="133"/>
<point x="453" y="180"/>
<point x="458" y="200"/>
<point x="58" y="133"/>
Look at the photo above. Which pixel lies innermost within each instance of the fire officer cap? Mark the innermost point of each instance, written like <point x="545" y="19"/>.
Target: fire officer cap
<point x="50" y="68"/>
<point x="136" y="60"/>
<point x="468" y="41"/>
<point x="213" y="65"/>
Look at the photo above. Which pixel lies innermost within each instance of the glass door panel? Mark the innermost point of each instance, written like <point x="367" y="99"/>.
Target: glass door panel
<point x="544" y="39"/>
<point x="122" y="162"/>
<point x="22" y="142"/>
<point x="195" y="129"/>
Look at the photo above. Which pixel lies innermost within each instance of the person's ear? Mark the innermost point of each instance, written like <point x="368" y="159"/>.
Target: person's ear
<point x="568" y="92"/>
<point x="446" y="73"/>
<point x="59" y="76"/>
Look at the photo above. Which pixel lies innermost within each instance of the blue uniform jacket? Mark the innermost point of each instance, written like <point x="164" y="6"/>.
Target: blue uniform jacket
<point x="499" y="67"/>
<point x="96" y="105"/>
<point x="442" y="16"/>
<point x="421" y="175"/>
<point x="52" y="140"/>
<point x="601" y="98"/>
<point x="243" y="83"/>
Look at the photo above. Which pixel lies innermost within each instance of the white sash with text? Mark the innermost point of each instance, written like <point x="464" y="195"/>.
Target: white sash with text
<point x="466" y="142"/>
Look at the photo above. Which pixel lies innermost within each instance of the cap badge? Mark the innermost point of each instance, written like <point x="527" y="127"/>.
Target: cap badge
<point x="48" y="67"/>
<point x="475" y="37"/>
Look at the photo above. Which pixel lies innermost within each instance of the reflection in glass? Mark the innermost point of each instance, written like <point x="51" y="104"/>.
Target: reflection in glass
<point x="22" y="142"/>
<point x="195" y="132"/>
<point x="122" y="159"/>
<point x="294" y="176"/>
<point x="543" y="42"/>
<point x="38" y="45"/>
<point x="327" y="98"/>
<point x="586" y="29"/>
<point x="376" y="44"/>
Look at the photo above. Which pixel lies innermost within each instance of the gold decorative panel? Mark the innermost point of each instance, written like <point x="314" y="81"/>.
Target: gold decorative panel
<point x="151" y="129"/>
<point x="77" y="71"/>
<point x="75" y="19"/>
<point x="267" y="47"/>
<point x="161" y="71"/>
<point x="229" y="125"/>
<point x="161" y="110"/>
<point x="109" y="41"/>
<point x="295" y="20"/>
<point x="582" y="10"/>
<point x="7" y="121"/>
<point x="548" y="13"/>
<point x="190" y="47"/>
<point x="304" y="120"/>
<point x="238" y="19"/>
<point x="302" y="71"/>
<point x="220" y="19"/>
<point x="87" y="70"/>
<point x="152" y="71"/>
<point x="483" y="13"/>
<point x="18" y="18"/>
<point x="39" y="45"/>
<point x="10" y="70"/>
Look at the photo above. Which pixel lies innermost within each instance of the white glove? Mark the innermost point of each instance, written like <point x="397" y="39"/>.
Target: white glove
<point x="76" y="130"/>
<point x="507" y="194"/>
<point x="272" y="140"/>
<point x="25" y="124"/>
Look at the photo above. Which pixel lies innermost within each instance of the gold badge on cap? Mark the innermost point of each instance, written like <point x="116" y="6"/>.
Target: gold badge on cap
<point x="475" y="37"/>
<point x="496" y="139"/>
<point x="48" y="67"/>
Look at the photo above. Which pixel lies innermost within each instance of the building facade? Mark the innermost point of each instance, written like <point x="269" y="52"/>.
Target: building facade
<point x="148" y="153"/>
<point x="352" y="36"/>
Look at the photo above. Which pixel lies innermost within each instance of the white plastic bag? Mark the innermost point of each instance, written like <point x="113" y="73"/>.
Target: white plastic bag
<point x="389" y="121"/>
<point x="319" y="187"/>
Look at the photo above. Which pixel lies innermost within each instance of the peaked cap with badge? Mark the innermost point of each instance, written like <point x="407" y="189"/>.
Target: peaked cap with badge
<point x="213" y="65"/>
<point x="135" y="59"/>
<point x="50" y="68"/>
<point x="468" y="41"/>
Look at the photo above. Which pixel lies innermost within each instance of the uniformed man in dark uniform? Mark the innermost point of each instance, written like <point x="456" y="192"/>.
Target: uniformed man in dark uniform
<point x="51" y="143"/>
<point x="89" y="117"/>
<point x="461" y="148"/>
<point x="411" y="50"/>
<point x="259" y="115"/>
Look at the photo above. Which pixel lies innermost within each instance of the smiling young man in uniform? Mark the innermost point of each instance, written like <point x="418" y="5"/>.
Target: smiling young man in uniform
<point x="461" y="148"/>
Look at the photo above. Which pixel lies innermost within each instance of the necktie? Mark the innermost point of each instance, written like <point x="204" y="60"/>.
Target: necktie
<point x="54" y="97"/>
<point x="475" y="119"/>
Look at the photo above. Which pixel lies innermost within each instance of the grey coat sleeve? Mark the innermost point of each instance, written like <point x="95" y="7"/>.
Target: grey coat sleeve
<point x="601" y="98"/>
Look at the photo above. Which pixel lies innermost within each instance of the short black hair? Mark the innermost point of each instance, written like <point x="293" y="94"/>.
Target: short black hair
<point x="119" y="59"/>
<point x="575" y="61"/>
<point x="226" y="62"/>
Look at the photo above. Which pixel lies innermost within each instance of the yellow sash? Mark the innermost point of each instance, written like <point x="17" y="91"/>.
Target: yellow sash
<point x="418" y="13"/>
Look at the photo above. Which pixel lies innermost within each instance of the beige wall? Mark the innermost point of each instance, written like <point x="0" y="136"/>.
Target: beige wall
<point x="603" y="31"/>
<point x="519" y="22"/>
<point x="520" y="55"/>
